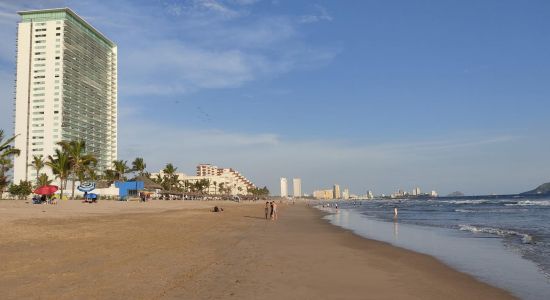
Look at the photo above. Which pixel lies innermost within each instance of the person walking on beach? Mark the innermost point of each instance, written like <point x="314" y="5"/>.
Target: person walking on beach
<point x="266" y="209"/>
<point x="274" y="212"/>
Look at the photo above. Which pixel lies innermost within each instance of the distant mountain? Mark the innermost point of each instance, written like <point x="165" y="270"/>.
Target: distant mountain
<point x="541" y="189"/>
<point x="456" y="194"/>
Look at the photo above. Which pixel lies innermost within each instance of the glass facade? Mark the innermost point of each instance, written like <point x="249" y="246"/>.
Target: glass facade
<point x="85" y="91"/>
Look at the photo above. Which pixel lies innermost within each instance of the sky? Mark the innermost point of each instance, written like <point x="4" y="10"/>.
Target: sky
<point x="371" y="95"/>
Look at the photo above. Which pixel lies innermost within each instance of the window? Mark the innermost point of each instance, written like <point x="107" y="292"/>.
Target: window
<point x="58" y="34"/>
<point x="39" y="71"/>
<point x="39" y="58"/>
<point x="57" y="28"/>
<point x="39" y="89"/>
<point x="38" y="82"/>
<point x="56" y="112"/>
<point x="38" y="131"/>
<point x="38" y="95"/>
<point x="40" y="42"/>
<point x="57" y="57"/>
<point x="39" y="35"/>
<point x="56" y="75"/>
<point x="40" y="29"/>
<point x="39" y="53"/>
<point x="40" y="47"/>
<point x="39" y="77"/>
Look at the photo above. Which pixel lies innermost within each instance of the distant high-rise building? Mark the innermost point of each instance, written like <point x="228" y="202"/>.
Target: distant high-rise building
<point x="345" y="194"/>
<point x="433" y="194"/>
<point x="66" y="88"/>
<point x="284" y="187"/>
<point x="297" y="187"/>
<point x="416" y="191"/>
<point x="369" y="194"/>
<point x="336" y="192"/>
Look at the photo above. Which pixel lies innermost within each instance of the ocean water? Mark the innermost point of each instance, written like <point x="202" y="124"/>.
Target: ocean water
<point x="505" y="241"/>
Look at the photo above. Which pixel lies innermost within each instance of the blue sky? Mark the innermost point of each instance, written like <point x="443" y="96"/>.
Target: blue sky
<point x="380" y="95"/>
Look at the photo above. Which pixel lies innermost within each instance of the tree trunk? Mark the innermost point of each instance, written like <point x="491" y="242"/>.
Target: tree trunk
<point x="72" y="193"/>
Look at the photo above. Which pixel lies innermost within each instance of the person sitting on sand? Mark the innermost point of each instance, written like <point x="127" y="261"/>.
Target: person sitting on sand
<point x="217" y="209"/>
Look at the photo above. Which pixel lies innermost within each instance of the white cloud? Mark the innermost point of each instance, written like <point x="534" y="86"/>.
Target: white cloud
<point x="445" y="165"/>
<point x="320" y="14"/>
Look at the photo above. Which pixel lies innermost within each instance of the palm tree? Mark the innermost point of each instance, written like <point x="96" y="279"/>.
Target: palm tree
<point x="170" y="176"/>
<point x="43" y="180"/>
<point x="37" y="163"/>
<point x="121" y="169"/>
<point x="7" y="151"/>
<point x="60" y="164"/>
<point x="78" y="159"/>
<point x="138" y="165"/>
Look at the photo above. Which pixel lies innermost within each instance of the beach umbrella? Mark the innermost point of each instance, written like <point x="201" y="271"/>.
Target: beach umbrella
<point x="46" y="190"/>
<point x="86" y="186"/>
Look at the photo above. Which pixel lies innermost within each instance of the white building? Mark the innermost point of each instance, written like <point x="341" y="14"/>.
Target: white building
<point x="336" y="191"/>
<point x="416" y="191"/>
<point x="66" y="88"/>
<point x="284" y="187"/>
<point x="345" y="194"/>
<point x="297" y="186"/>
<point x="220" y="179"/>
<point x="369" y="194"/>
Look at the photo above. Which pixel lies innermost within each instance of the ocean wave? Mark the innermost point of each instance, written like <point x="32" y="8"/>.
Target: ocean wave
<point x="530" y="203"/>
<point x="480" y="201"/>
<point x="525" y="238"/>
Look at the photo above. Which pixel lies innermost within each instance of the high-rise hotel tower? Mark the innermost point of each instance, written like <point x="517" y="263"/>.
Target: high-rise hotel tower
<point x="66" y="88"/>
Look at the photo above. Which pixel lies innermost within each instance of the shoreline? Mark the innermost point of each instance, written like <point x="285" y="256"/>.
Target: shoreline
<point x="192" y="253"/>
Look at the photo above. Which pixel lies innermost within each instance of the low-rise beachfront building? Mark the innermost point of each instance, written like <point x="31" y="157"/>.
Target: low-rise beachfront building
<point x="323" y="194"/>
<point x="221" y="180"/>
<point x="66" y="88"/>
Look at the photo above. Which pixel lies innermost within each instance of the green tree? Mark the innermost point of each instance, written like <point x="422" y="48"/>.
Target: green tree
<point x="7" y="152"/>
<point x="138" y="165"/>
<point x="80" y="162"/>
<point x="170" y="179"/>
<point x="60" y="164"/>
<point x="21" y="190"/>
<point x="38" y="163"/>
<point x="120" y="169"/>
<point x="43" y="180"/>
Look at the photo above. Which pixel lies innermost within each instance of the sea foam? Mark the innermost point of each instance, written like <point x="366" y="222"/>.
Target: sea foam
<point x="525" y="238"/>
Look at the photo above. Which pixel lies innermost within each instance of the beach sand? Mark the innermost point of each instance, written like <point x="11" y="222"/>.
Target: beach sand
<point x="181" y="250"/>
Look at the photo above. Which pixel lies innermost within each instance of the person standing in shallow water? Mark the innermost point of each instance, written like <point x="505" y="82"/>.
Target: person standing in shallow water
<point x="266" y="209"/>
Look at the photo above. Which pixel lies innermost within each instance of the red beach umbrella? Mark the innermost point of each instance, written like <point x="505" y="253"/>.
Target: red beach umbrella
<point x="46" y="190"/>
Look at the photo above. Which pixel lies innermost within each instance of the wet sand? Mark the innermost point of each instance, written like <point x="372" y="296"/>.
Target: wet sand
<point x="177" y="250"/>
